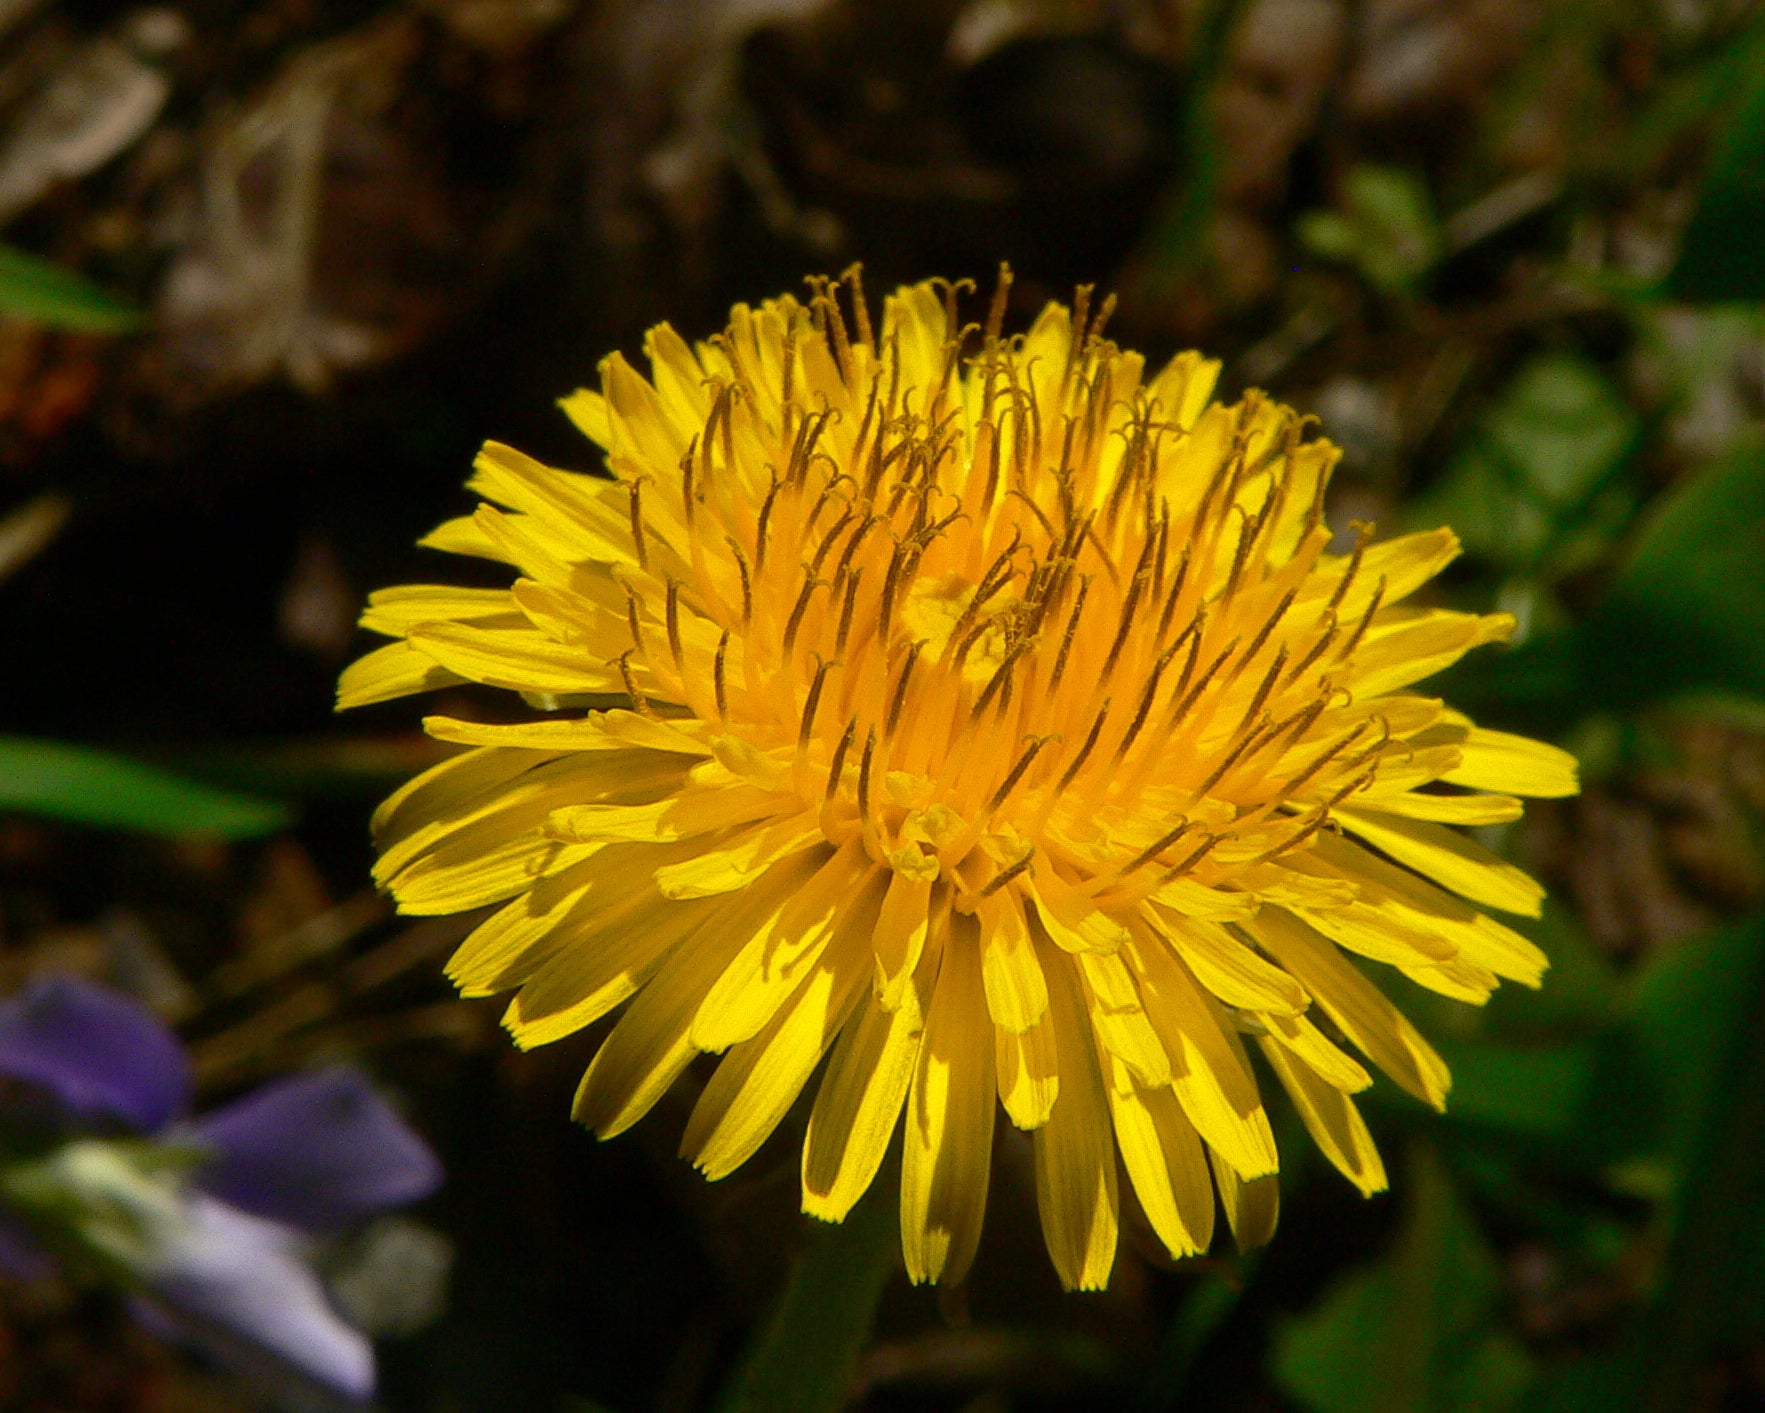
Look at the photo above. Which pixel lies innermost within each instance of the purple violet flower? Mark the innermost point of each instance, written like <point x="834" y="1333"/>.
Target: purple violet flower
<point x="300" y="1157"/>
<point x="99" y="1053"/>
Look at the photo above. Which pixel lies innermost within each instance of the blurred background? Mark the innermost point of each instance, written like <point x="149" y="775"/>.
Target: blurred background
<point x="270" y="271"/>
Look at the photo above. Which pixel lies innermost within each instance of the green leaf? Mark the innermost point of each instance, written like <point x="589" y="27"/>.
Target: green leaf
<point x="1415" y="1332"/>
<point x="805" y="1359"/>
<point x="1525" y="1091"/>
<point x="1386" y="226"/>
<point x="1688" y="1008"/>
<point x="1535" y="466"/>
<point x="1686" y="613"/>
<point x="1604" y="1383"/>
<point x="1579" y="996"/>
<point x="41" y="292"/>
<point x="1699" y="1009"/>
<point x="1721" y="256"/>
<point x="95" y="787"/>
<point x="1688" y="608"/>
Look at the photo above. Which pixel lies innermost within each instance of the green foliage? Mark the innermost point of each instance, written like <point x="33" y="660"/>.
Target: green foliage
<point x="1698" y="1011"/>
<point x="94" y="787"/>
<point x="1415" y="1332"/>
<point x="1535" y="488"/>
<point x="1721" y="256"/>
<point x="1386" y="227"/>
<point x="807" y="1354"/>
<point x="1685" y="612"/>
<point x="1530" y="1091"/>
<point x="1654" y="1090"/>
<point x="1690" y="1005"/>
<point x="1688" y="608"/>
<point x="41" y="292"/>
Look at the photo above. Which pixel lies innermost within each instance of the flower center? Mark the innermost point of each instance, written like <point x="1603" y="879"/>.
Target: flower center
<point x="1041" y="614"/>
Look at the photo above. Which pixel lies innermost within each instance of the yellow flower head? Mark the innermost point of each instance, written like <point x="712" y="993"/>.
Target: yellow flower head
<point x="981" y="717"/>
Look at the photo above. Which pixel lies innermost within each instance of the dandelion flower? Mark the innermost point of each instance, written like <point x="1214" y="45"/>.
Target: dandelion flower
<point x="981" y="722"/>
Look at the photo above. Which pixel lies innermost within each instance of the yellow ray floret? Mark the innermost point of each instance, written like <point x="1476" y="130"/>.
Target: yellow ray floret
<point x="985" y="717"/>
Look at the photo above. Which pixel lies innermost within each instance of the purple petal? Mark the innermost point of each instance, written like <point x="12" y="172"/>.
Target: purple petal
<point x="238" y="1285"/>
<point x="96" y="1050"/>
<point x="319" y="1150"/>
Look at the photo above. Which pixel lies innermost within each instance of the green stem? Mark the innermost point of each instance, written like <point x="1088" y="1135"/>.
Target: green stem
<point x="806" y="1357"/>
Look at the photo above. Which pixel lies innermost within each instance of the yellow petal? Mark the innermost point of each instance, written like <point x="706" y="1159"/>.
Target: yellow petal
<point x="1381" y="936"/>
<point x="736" y="865"/>
<point x="1182" y="387"/>
<point x="1188" y="898"/>
<point x="595" y="626"/>
<point x="544" y="553"/>
<point x="1462" y="980"/>
<point x="582" y="508"/>
<point x="1419" y="647"/>
<point x="1362" y="1011"/>
<point x="602" y="964"/>
<point x="637" y="424"/>
<point x="522" y="661"/>
<point x="786" y="946"/>
<point x="679" y="380"/>
<point x="1447" y="809"/>
<point x="1498" y="948"/>
<point x="1226" y="967"/>
<point x="1073" y="921"/>
<point x="1117" y="1016"/>
<point x="1451" y="860"/>
<point x="1331" y="1118"/>
<point x="1017" y="992"/>
<point x="652" y="1043"/>
<point x="394" y="612"/>
<point x="1028" y="1072"/>
<point x="682" y="815"/>
<point x="487" y="848"/>
<point x="1495" y="760"/>
<point x="479" y="785"/>
<point x="479" y="866"/>
<point x="1074" y="1151"/>
<point x="759" y="1079"/>
<point x="443" y="789"/>
<point x="1165" y="1162"/>
<point x="461" y="535"/>
<point x="507" y="947"/>
<point x="913" y="319"/>
<point x="652" y="733"/>
<point x="1214" y="1086"/>
<point x="577" y="733"/>
<point x="1309" y="1045"/>
<point x="588" y="410"/>
<point x="1422" y="919"/>
<point x="901" y="929"/>
<point x="857" y="1107"/>
<point x="1405" y="563"/>
<point x="1252" y="1206"/>
<point x="947" y="1145"/>
<point x="396" y="670"/>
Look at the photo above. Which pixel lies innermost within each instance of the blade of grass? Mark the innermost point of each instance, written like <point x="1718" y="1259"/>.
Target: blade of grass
<point x="42" y="292"/>
<point x="87" y="786"/>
